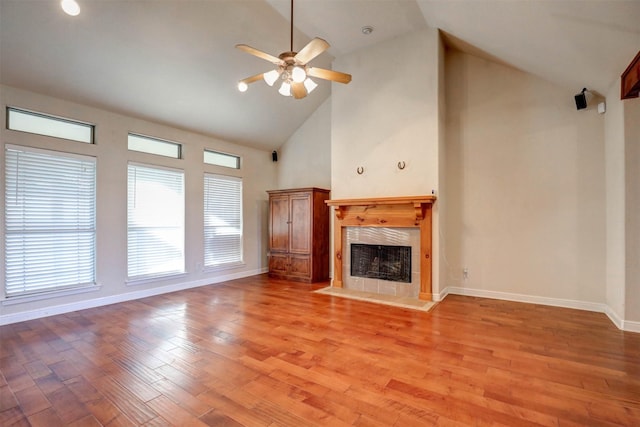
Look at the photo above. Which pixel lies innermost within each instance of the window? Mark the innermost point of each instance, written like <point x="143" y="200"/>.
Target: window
<point x="146" y="144"/>
<point x="50" y="216"/>
<point x="44" y="124"/>
<point x="155" y="221"/>
<point x="222" y="220"/>
<point x="221" y="159"/>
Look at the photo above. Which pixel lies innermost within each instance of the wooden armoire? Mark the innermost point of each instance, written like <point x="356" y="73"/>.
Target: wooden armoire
<point x="299" y="234"/>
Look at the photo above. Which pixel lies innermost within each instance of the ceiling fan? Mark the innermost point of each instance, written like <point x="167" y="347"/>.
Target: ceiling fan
<point x="292" y="68"/>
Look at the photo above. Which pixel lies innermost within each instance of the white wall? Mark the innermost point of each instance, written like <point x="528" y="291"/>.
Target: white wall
<point x="632" y="168"/>
<point x="525" y="187"/>
<point x="440" y="208"/>
<point x="615" y="203"/>
<point x="387" y="114"/>
<point x="305" y="159"/>
<point x="258" y="174"/>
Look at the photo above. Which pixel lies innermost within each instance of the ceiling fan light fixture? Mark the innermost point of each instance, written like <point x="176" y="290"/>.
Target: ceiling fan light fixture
<point x="271" y="77"/>
<point x="310" y="85"/>
<point x="70" y="7"/>
<point x="298" y="74"/>
<point x="285" y="89"/>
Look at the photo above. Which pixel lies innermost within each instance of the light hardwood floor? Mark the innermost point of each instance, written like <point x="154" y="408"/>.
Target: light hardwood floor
<point x="262" y="352"/>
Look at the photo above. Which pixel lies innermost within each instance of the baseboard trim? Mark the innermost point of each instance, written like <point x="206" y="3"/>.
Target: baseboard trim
<point x="631" y="326"/>
<point x="614" y="317"/>
<point x="7" y="319"/>
<point x="624" y="325"/>
<point x="556" y="302"/>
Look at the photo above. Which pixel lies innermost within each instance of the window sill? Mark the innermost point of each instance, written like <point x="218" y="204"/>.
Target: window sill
<point x="48" y="295"/>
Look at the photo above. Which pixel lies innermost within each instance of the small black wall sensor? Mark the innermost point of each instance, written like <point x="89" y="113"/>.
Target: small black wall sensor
<point x="274" y="156"/>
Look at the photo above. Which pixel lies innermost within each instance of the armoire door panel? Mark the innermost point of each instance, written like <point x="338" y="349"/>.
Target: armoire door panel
<point x="278" y="263"/>
<point x="299" y="266"/>
<point x="279" y="223"/>
<point x="300" y="237"/>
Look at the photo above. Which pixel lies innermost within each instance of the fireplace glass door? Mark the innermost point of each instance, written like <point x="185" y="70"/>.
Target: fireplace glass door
<point x="392" y="263"/>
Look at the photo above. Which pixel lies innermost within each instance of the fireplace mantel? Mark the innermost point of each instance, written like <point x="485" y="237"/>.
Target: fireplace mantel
<point x="407" y="211"/>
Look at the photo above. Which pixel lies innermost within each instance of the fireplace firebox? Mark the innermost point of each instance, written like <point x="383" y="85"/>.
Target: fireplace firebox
<point x="392" y="263"/>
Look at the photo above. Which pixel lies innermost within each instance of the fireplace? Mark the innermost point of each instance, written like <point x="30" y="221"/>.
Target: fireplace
<point x="391" y="263"/>
<point x="378" y="240"/>
<point x="389" y="217"/>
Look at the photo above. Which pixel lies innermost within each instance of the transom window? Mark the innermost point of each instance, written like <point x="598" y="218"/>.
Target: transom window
<point x="160" y="147"/>
<point x="47" y="125"/>
<point x="221" y="159"/>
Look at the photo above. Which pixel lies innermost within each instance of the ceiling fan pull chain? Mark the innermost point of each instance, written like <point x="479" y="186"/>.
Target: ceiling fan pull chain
<point x="291" y="38"/>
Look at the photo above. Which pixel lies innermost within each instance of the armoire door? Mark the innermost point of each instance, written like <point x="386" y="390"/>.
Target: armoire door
<point x="300" y="217"/>
<point x="279" y="224"/>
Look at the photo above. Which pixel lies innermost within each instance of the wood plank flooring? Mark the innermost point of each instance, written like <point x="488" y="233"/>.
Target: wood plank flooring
<point x="262" y="352"/>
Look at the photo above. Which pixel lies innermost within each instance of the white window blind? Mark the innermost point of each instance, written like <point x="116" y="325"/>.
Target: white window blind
<point x="155" y="217"/>
<point x="222" y="220"/>
<point x="49" y="221"/>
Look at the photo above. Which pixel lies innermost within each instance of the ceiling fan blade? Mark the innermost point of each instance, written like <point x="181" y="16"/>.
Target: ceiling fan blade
<point x="314" y="48"/>
<point x="335" y="76"/>
<point x="260" y="54"/>
<point x="252" y="79"/>
<point x="298" y="90"/>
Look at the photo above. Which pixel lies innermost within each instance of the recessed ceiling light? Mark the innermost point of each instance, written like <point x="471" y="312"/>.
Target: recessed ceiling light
<point x="366" y="30"/>
<point x="70" y="7"/>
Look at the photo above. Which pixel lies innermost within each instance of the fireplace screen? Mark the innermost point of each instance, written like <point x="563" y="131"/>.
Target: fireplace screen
<point x="391" y="263"/>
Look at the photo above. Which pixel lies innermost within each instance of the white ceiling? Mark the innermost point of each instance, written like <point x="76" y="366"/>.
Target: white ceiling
<point x="174" y="61"/>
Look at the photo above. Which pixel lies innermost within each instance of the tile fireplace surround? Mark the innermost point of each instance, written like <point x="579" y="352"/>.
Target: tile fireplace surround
<point x="389" y="236"/>
<point x="412" y="212"/>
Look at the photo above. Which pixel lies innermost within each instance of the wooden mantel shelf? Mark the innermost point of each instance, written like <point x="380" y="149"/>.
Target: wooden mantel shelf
<point x="414" y="208"/>
<point x="382" y="201"/>
<point x="405" y="211"/>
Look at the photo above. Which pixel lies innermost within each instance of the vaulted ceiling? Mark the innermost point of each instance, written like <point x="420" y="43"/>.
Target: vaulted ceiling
<point x="174" y="62"/>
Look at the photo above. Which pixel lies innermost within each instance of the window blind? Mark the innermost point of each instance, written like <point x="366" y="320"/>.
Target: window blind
<point x="49" y="221"/>
<point x="222" y="220"/>
<point x="155" y="221"/>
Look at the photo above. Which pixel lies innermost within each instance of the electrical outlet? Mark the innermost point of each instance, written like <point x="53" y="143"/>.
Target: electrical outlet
<point x="465" y="273"/>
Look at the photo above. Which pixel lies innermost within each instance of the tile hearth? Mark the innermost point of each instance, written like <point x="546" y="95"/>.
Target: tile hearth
<point x="402" y="302"/>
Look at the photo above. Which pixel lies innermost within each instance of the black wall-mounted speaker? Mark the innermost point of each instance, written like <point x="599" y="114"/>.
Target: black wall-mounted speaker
<point x="274" y="156"/>
<point x="581" y="101"/>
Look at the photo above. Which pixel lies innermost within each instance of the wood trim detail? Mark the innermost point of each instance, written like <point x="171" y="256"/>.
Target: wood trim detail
<point x="630" y="80"/>
<point x="412" y="211"/>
